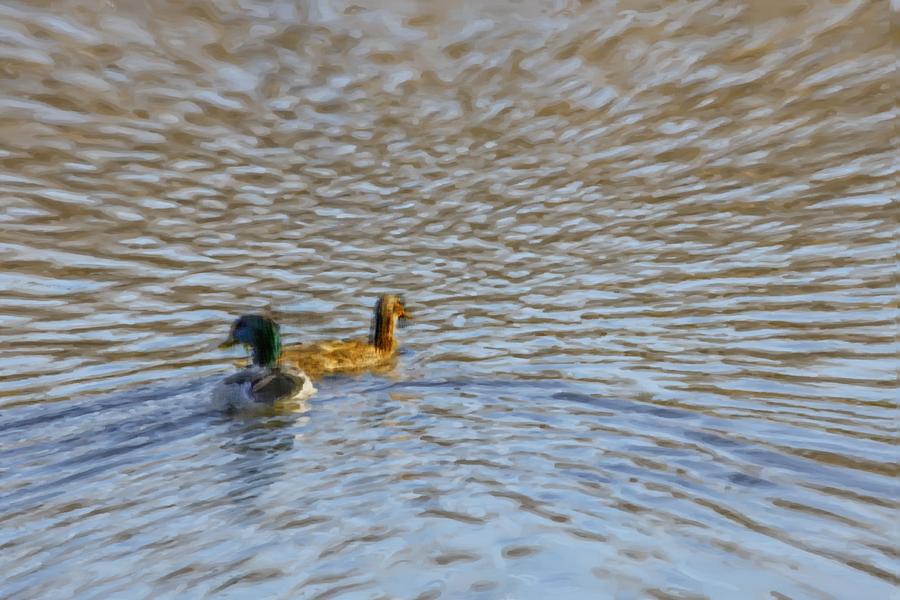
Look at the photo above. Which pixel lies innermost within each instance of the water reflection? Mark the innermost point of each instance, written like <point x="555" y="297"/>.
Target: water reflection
<point x="257" y="442"/>
<point x="652" y="263"/>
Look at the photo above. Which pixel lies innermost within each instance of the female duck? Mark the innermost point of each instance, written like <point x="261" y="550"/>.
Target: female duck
<point x="264" y="382"/>
<point x="343" y="356"/>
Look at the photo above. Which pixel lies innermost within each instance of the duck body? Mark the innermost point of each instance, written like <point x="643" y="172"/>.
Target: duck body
<point x="335" y="356"/>
<point x="265" y="382"/>
<point x="353" y="355"/>
<point x="259" y="387"/>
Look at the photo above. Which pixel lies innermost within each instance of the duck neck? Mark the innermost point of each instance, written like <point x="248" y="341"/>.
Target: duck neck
<point x="383" y="326"/>
<point x="267" y="346"/>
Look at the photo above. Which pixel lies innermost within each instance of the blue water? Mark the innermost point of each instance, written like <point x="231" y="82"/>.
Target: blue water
<point x="648" y="251"/>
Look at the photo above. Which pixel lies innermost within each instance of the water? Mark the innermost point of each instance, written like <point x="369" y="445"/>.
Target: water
<point x="649" y="249"/>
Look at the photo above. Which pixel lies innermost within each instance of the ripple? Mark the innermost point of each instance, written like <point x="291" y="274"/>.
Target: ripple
<point x="650" y="264"/>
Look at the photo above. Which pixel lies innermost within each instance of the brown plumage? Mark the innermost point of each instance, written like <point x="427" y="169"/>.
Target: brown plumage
<point x="349" y="356"/>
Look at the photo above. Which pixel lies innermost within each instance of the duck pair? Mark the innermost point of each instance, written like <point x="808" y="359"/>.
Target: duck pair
<point x="277" y="373"/>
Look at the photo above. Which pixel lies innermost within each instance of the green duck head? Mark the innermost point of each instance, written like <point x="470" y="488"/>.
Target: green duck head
<point x="261" y="334"/>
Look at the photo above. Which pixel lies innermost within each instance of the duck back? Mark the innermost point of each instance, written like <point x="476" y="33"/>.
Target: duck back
<point x="334" y="356"/>
<point x="258" y="387"/>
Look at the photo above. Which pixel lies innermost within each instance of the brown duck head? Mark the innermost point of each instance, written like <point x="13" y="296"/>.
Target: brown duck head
<point x="388" y="310"/>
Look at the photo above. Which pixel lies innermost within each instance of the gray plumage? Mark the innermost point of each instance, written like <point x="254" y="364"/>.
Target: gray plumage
<point x="259" y="387"/>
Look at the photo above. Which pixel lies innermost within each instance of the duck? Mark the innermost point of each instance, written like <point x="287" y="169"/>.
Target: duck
<point x="354" y="355"/>
<point x="265" y="381"/>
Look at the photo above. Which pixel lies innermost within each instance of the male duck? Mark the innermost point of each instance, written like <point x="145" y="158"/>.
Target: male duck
<point x="264" y="382"/>
<point x="347" y="356"/>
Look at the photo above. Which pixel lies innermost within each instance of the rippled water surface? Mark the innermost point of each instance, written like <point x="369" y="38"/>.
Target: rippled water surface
<point x="649" y="250"/>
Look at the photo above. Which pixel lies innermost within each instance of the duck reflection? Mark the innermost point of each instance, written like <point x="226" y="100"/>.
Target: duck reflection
<point x="259" y="444"/>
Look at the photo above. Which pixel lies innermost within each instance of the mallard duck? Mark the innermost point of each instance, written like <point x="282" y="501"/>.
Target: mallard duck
<point x="347" y="356"/>
<point x="264" y="382"/>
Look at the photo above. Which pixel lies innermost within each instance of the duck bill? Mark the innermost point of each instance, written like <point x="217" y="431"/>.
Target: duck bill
<point x="229" y="343"/>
